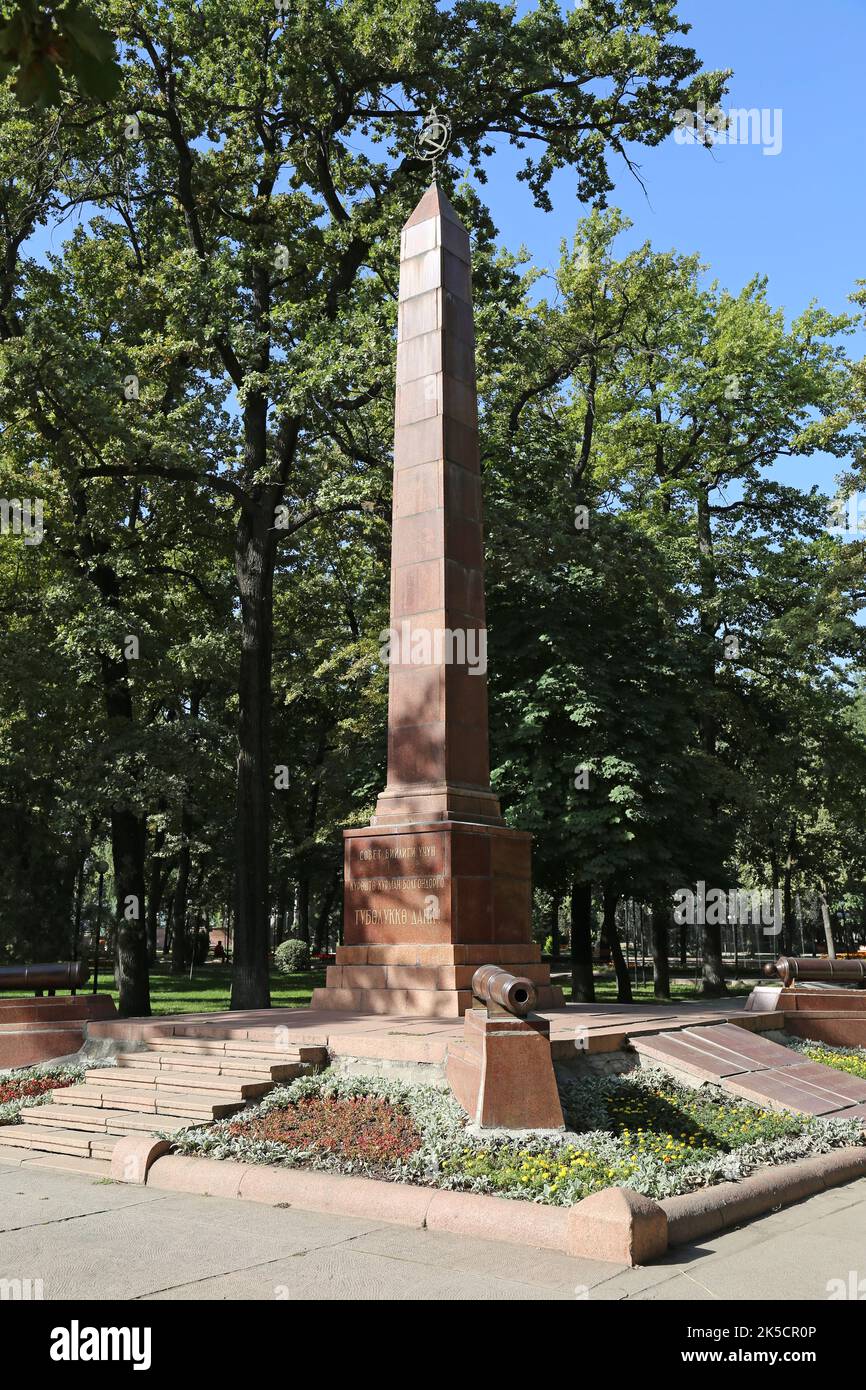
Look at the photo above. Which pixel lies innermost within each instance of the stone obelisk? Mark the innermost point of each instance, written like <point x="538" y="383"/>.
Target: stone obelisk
<point x="437" y="884"/>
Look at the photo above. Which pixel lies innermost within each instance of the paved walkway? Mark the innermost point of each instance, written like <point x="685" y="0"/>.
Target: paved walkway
<point x="89" y="1239"/>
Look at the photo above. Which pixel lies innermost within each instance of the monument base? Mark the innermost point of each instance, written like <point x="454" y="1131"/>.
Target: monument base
<point x="423" y="980"/>
<point x="426" y="904"/>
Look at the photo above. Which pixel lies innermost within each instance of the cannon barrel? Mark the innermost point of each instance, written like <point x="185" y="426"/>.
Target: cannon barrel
<point x="515" y="993"/>
<point x="60" y="975"/>
<point x="817" y="969"/>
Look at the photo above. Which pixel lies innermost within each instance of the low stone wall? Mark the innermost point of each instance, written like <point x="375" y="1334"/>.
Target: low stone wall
<point x="36" y="1030"/>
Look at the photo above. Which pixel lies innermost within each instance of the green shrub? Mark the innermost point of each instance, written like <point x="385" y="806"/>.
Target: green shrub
<point x="291" y="956"/>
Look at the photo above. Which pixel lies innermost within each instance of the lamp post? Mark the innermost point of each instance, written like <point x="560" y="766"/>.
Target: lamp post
<point x="102" y="869"/>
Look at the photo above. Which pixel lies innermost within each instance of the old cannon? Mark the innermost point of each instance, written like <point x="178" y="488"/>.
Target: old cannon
<point x="816" y="970"/>
<point x="46" y="977"/>
<point x="501" y="1070"/>
<point x="512" y="994"/>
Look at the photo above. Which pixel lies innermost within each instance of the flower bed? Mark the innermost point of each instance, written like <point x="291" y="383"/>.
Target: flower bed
<point x="25" y="1086"/>
<point x="364" y="1127"/>
<point x="641" y="1130"/>
<point x="850" y="1059"/>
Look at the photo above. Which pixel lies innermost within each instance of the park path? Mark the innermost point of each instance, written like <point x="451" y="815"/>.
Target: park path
<point x="90" y="1239"/>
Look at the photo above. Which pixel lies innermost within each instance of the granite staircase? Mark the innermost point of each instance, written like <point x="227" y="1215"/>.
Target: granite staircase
<point x="175" y="1084"/>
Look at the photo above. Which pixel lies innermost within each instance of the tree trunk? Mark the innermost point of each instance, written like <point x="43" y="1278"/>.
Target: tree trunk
<point x="555" y="940"/>
<point x="713" y="972"/>
<point x="128" y="838"/>
<point x="787" y="942"/>
<point x="828" y="926"/>
<point x="158" y="878"/>
<point x="131" y="966"/>
<point x="79" y="899"/>
<point x="582" y="982"/>
<point x="282" y="901"/>
<point x="321" y="935"/>
<point x="254" y="557"/>
<point x="787" y="937"/>
<point x="611" y="937"/>
<point x="302" y="907"/>
<point x="180" y="906"/>
<point x="128" y="828"/>
<point x="659" y="947"/>
<point x="713" y="968"/>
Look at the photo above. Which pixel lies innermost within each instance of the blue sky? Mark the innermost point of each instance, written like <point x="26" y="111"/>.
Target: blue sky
<point x="798" y="216"/>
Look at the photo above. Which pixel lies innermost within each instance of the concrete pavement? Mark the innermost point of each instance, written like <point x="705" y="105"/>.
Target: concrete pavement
<point x="87" y="1239"/>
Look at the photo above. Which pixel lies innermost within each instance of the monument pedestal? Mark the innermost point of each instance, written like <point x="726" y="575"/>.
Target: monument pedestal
<point x="424" y="905"/>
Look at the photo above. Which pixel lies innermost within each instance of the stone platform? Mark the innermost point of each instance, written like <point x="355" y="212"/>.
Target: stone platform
<point x="575" y="1029"/>
<point x="824" y="1013"/>
<point x="36" y="1029"/>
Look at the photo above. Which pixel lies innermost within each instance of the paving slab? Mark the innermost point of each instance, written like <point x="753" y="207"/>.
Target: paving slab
<point x="779" y="1090"/>
<point x="547" y="1268"/>
<point x="50" y="1197"/>
<point x="94" y="1240"/>
<point x="352" y="1274"/>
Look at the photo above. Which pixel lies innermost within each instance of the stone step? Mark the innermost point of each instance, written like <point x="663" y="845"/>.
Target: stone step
<point x="314" y="1053"/>
<point x="243" y="1085"/>
<point x="274" y="1067"/>
<point x="105" y="1121"/>
<point x="47" y="1139"/>
<point x="199" y="1105"/>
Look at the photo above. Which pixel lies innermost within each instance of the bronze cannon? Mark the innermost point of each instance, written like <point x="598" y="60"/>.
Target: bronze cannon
<point x="61" y="975"/>
<point x="513" y="993"/>
<point x="817" y="969"/>
<point x="501" y="1070"/>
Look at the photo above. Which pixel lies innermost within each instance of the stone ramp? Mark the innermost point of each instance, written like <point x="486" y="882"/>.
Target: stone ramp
<point x="755" y="1069"/>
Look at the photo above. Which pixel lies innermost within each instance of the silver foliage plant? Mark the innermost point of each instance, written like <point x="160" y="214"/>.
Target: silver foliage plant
<point x="447" y="1138"/>
<point x="10" y="1111"/>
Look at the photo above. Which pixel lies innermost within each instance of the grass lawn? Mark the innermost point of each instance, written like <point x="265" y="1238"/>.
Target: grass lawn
<point x="605" y="989"/>
<point x="210" y="987"/>
<point x="208" y="990"/>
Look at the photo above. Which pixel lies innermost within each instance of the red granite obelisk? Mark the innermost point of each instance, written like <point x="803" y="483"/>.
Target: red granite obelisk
<point x="437" y="884"/>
